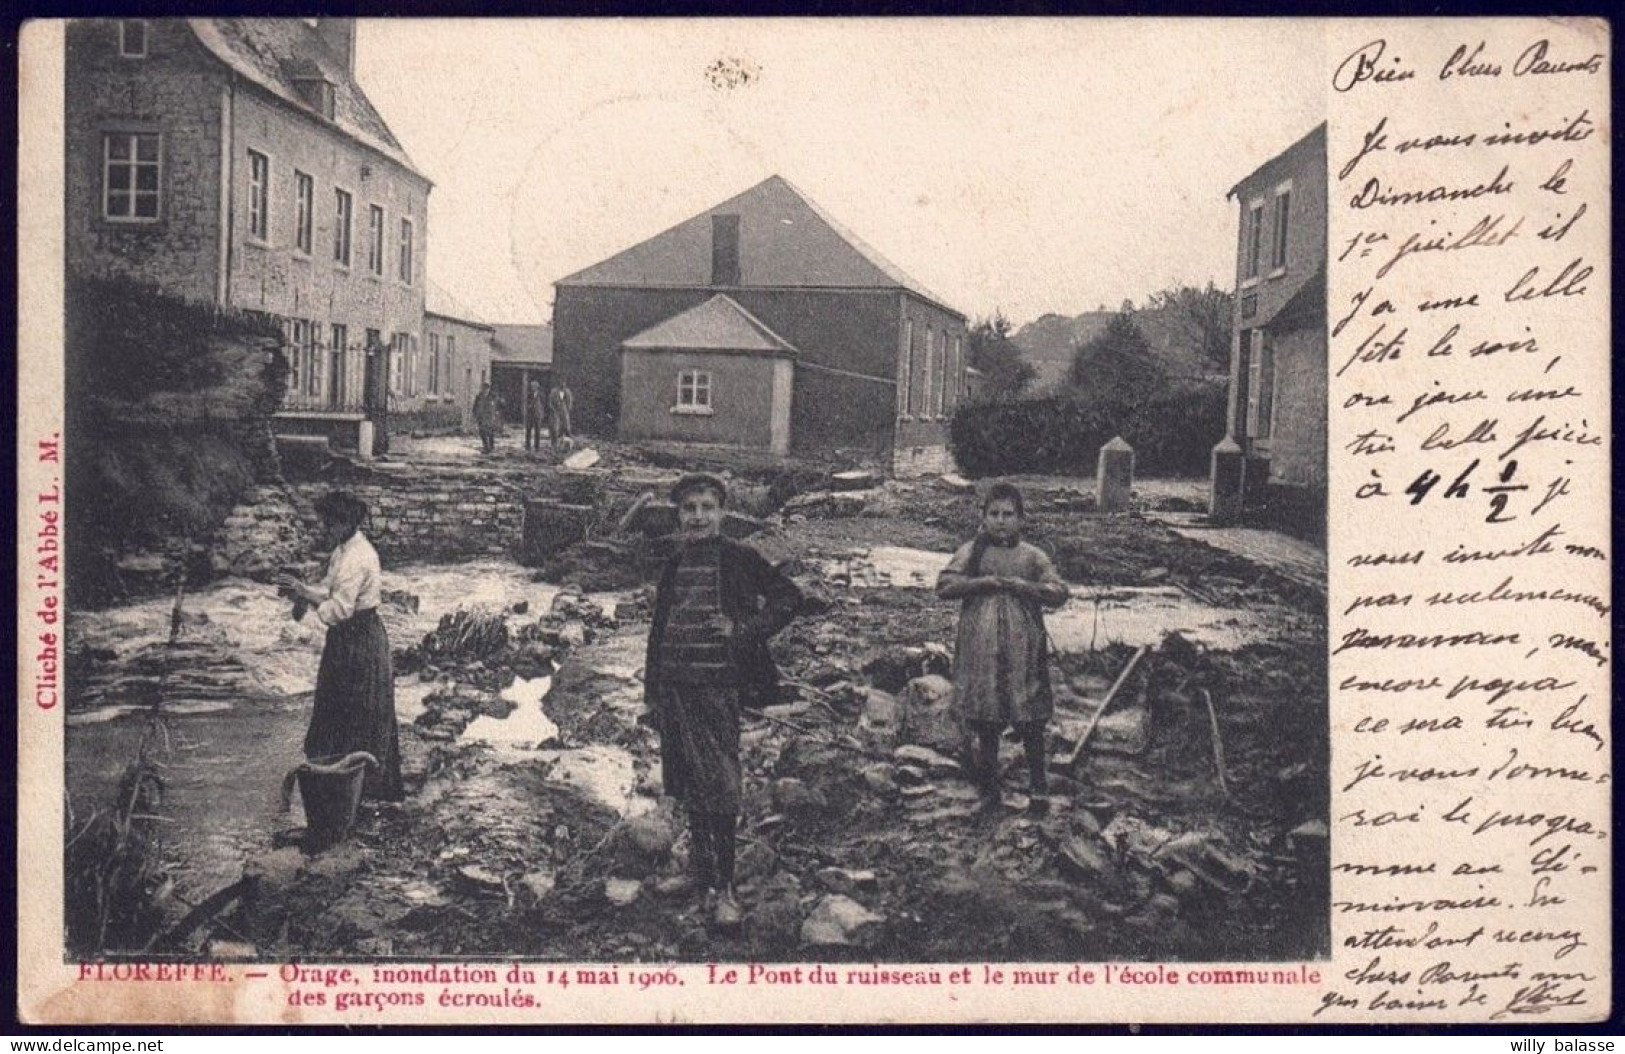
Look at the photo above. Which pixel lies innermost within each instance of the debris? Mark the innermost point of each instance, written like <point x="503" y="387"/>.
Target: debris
<point x="401" y="600"/>
<point x="844" y="881"/>
<point x="796" y="797"/>
<point x="1218" y="743"/>
<point x="1071" y="759"/>
<point x="830" y="505"/>
<point x="1311" y="834"/>
<point x="926" y="758"/>
<point x="879" y="724"/>
<point x="622" y="891"/>
<point x="881" y="779"/>
<point x="479" y="880"/>
<point x="855" y="479"/>
<point x="955" y="483"/>
<point x="894" y="667"/>
<point x="1209" y="859"/>
<point x="552" y="526"/>
<point x="640" y="844"/>
<point x="839" y="920"/>
<point x="585" y="458"/>
<point x="929" y="716"/>
<point x="539" y="884"/>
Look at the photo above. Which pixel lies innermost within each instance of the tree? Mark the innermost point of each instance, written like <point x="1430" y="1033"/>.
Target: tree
<point x="1201" y="318"/>
<point x="1115" y="370"/>
<point x="1004" y="371"/>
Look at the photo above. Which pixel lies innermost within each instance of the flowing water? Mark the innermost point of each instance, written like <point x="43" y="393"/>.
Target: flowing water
<point x="236" y="698"/>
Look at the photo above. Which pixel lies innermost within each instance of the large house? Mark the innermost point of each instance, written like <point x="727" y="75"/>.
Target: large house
<point x="1275" y="448"/>
<point x="762" y="323"/>
<point x="456" y="359"/>
<point x="238" y="162"/>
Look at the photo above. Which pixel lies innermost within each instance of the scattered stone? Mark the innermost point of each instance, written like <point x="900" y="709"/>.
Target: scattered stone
<point x="830" y="505"/>
<point x="881" y="779"/>
<point x="774" y="920"/>
<point x="927" y="759"/>
<point x="674" y="885"/>
<point x="929" y="717"/>
<point x="855" y="479"/>
<point x="480" y="880"/>
<point x="1125" y="731"/>
<point x="582" y="459"/>
<point x="622" y="891"/>
<point x="539" y="884"/>
<point x="894" y="667"/>
<point x="1183" y="883"/>
<point x="755" y="860"/>
<point x="1310" y="835"/>
<point x="839" y="920"/>
<point x="796" y="797"/>
<point x="845" y="881"/>
<point x="954" y="483"/>
<point x="1086" y="859"/>
<point x="401" y="600"/>
<point x="639" y="845"/>
<point x="879" y="725"/>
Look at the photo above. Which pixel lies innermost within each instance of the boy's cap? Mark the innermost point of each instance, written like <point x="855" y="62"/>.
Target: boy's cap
<point x="698" y="481"/>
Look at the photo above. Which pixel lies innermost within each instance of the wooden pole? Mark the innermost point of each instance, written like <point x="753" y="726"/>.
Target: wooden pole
<point x="1117" y="686"/>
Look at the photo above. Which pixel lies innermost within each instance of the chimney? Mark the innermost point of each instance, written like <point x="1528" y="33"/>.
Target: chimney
<point x="339" y="36"/>
<point x="725" y="249"/>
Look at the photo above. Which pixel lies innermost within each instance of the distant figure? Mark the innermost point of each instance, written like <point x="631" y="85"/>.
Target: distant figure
<point x="535" y="416"/>
<point x="1001" y="655"/>
<point x="354" y="708"/>
<point x="560" y="402"/>
<point x="487" y="417"/>
<point x="717" y="604"/>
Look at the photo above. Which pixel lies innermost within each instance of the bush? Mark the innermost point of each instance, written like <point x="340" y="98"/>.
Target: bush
<point x="1172" y="433"/>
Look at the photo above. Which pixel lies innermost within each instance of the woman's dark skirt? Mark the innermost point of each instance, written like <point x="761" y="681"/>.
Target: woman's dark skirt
<point x="355" y="703"/>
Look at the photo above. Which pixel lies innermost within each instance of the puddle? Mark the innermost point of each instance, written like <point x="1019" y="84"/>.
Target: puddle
<point x="606" y="774"/>
<point x="887" y="565"/>
<point x="1144" y="615"/>
<point x="526" y="727"/>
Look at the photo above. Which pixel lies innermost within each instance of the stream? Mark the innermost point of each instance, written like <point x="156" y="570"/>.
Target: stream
<point x="237" y="699"/>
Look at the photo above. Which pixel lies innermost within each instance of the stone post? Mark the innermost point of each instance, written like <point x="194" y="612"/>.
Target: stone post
<point x="363" y="440"/>
<point x="1114" y="476"/>
<point x="1227" y="482"/>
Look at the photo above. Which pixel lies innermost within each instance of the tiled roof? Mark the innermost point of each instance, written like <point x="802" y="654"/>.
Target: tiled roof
<point x="785" y="240"/>
<point x="719" y="324"/>
<point x="275" y="52"/>
<point x="532" y="345"/>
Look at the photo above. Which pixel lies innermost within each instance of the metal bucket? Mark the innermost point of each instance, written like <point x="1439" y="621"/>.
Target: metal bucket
<point x="330" y="790"/>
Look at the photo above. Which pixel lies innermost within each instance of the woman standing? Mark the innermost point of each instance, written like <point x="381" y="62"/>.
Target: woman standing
<point x="355" y="684"/>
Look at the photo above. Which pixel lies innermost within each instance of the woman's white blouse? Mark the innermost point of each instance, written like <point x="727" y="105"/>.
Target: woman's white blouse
<point x="354" y="581"/>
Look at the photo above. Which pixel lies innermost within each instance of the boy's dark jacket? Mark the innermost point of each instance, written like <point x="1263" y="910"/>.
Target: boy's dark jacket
<point x="758" y="599"/>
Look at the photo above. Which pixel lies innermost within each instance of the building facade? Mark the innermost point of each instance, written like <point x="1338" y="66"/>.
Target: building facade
<point x="456" y="361"/>
<point x="238" y="162"/>
<point x="1277" y="406"/>
<point x="878" y="362"/>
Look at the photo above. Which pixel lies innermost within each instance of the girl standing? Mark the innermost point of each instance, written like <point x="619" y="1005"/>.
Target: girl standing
<point x="355" y="684"/>
<point x="1001" y="657"/>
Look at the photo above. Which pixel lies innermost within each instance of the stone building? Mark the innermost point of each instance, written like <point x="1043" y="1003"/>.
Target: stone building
<point x="762" y="322"/>
<point x="521" y="355"/>
<point x="239" y="162"/>
<point x="456" y="359"/>
<point x="1274" y="451"/>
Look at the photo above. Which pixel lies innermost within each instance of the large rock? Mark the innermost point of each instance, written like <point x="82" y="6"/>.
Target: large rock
<point x="855" y="479"/>
<point x="582" y="459"/>
<point x="795" y="797"/>
<point x="929" y="716"/>
<point x="881" y="722"/>
<point x="892" y="668"/>
<point x="641" y="844"/>
<point x="552" y="526"/>
<point x="840" y="920"/>
<point x="830" y="505"/>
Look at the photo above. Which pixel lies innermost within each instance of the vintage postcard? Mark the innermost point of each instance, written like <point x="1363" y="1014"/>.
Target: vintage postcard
<point x="850" y="521"/>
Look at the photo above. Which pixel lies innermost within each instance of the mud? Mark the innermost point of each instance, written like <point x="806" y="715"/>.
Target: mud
<point x="536" y="826"/>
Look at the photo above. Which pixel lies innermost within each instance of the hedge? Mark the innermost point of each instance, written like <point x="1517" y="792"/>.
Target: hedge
<point x="1172" y="433"/>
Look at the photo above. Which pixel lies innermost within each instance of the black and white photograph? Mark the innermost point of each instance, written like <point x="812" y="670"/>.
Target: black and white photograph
<point x="619" y="492"/>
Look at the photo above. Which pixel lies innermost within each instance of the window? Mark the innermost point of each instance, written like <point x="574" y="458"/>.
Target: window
<point x="315" y="374"/>
<point x="397" y="364"/>
<point x="905" y="356"/>
<point x="406" y="251"/>
<point x="132" y="38"/>
<point x="926" y="370"/>
<point x="375" y="239"/>
<point x="296" y="355"/>
<point x="342" y="211"/>
<point x="337" y="360"/>
<point x="1255" y="235"/>
<point x="434" y="364"/>
<point x="259" y="192"/>
<point x="451" y="354"/>
<point x="131" y="166"/>
<point x="939" y="374"/>
<point x="1258" y="371"/>
<point x="1283" y="203"/>
<point x="411" y="363"/>
<point x="304" y="202"/>
<point x="694" y="391"/>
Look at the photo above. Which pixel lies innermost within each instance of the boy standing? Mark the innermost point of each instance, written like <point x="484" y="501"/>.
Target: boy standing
<point x="717" y="605"/>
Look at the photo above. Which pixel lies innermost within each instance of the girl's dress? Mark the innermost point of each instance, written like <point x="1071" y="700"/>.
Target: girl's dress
<point x="355" y="684"/>
<point x="1001" y="660"/>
